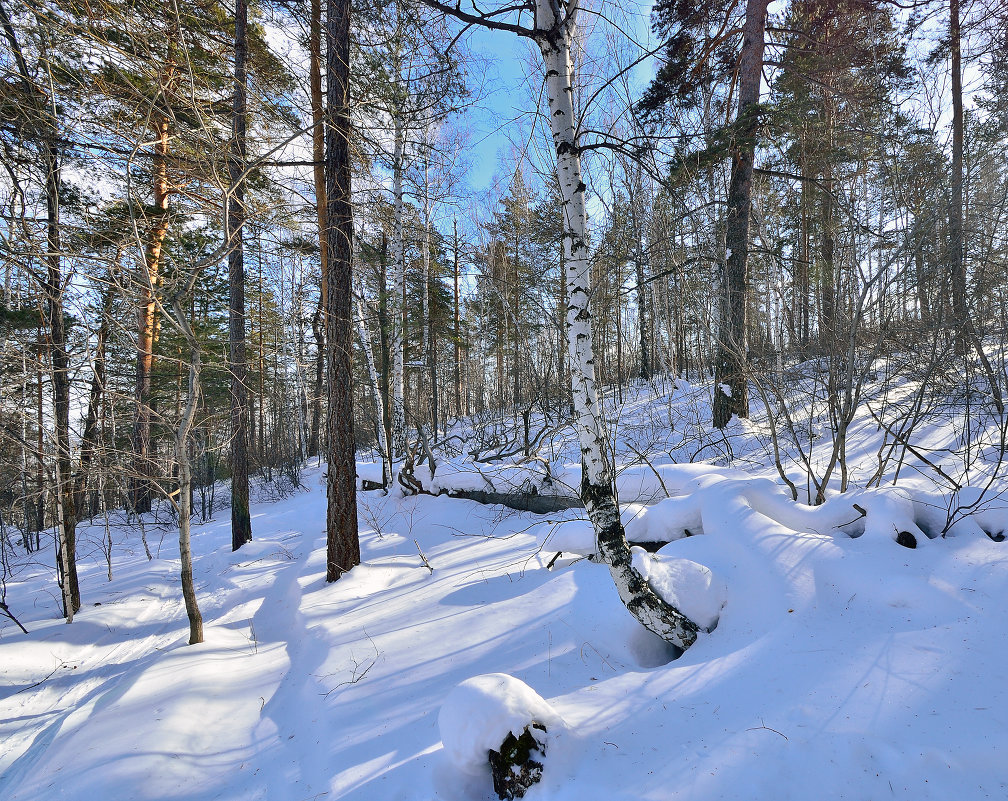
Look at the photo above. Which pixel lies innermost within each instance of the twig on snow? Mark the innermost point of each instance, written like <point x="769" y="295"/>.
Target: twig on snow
<point x="424" y="558"/>
<point x="764" y="726"/>
<point x="43" y="679"/>
<point x="356" y="676"/>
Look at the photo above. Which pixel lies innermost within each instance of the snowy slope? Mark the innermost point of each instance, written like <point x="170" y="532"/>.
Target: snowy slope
<point x="840" y="668"/>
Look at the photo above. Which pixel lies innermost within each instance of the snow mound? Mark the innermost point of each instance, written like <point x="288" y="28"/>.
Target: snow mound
<point x="666" y="520"/>
<point x="974" y="507"/>
<point x="890" y="513"/>
<point x="690" y="587"/>
<point x="573" y="536"/>
<point x="478" y="714"/>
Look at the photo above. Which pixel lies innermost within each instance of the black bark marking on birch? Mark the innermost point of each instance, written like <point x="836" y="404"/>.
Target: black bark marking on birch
<point x="644" y="603"/>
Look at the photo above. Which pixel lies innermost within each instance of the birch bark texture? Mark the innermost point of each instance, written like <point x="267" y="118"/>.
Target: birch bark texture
<point x="555" y="26"/>
<point x="398" y="272"/>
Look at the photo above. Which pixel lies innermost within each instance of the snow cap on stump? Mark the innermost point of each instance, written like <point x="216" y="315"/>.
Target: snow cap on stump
<point x="480" y="712"/>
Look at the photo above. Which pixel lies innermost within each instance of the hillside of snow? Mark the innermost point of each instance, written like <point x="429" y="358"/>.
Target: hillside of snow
<point x="842" y="665"/>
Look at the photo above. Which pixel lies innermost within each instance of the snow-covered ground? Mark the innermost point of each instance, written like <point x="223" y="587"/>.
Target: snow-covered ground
<point x="840" y="667"/>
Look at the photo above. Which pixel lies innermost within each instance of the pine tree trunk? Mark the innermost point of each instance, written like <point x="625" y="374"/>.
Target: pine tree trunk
<point x="802" y="290"/>
<point x="143" y="460"/>
<point x="923" y="296"/>
<point x="342" y="544"/>
<point x="241" y="525"/>
<point x="827" y="302"/>
<point x="596" y="484"/>
<point x="58" y="355"/>
<point x="318" y="171"/>
<point x="955" y="246"/>
<point x="60" y="362"/>
<point x="731" y="395"/>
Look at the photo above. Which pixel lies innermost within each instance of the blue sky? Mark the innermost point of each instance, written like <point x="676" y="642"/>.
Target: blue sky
<point x="506" y="96"/>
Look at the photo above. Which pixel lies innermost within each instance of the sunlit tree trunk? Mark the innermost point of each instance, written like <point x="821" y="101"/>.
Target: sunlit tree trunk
<point x="596" y="484"/>
<point x="141" y="494"/>
<point x="398" y="280"/>
<point x="318" y="172"/>
<point x="731" y="395"/>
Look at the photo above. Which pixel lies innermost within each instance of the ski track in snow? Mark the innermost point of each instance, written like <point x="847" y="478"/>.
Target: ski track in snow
<point x="840" y="669"/>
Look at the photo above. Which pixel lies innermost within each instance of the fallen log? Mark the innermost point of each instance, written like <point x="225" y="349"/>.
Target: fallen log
<point x="520" y="501"/>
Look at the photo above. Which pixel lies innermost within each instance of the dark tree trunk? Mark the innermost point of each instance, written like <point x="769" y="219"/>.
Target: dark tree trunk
<point x="730" y="392"/>
<point x="61" y="391"/>
<point x="241" y="525"/>
<point x="803" y="286"/>
<point x="955" y="234"/>
<point x="59" y="358"/>
<point x="923" y="296"/>
<point x="827" y="296"/>
<point x="318" y="154"/>
<point x="642" y="316"/>
<point x="342" y="544"/>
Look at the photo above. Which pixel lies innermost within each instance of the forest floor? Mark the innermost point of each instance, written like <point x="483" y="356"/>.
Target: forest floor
<point x="841" y="667"/>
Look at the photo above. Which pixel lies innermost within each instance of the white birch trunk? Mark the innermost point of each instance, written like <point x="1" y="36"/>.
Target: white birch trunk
<point x="426" y="341"/>
<point x="424" y="334"/>
<point x="365" y="338"/>
<point x="398" y="270"/>
<point x="596" y="485"/>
